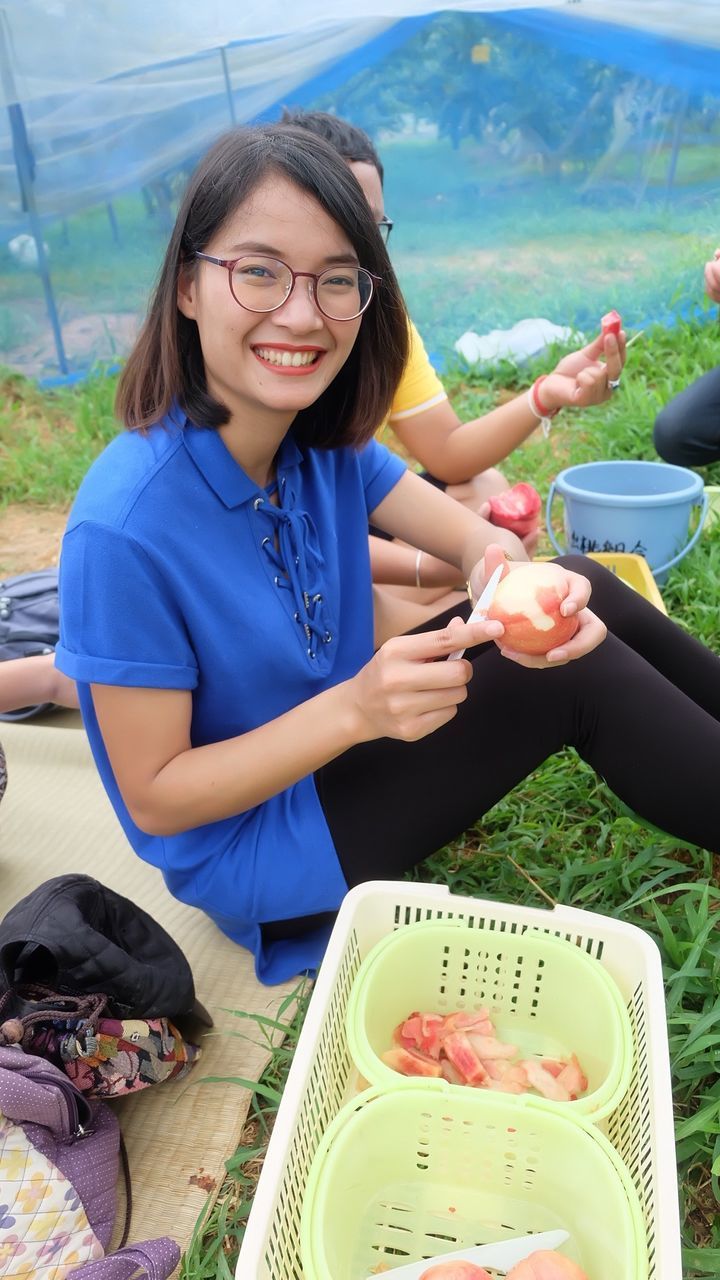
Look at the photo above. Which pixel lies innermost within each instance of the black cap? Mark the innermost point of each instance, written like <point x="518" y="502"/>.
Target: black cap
<point x="75" y="935"/>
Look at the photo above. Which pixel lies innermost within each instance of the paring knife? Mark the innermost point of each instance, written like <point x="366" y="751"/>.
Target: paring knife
<point x="500" y="1256"/>
<point x="483" y="604"/>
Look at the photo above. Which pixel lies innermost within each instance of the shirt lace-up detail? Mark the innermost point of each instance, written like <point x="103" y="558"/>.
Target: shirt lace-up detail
<point x="298" y="563"/>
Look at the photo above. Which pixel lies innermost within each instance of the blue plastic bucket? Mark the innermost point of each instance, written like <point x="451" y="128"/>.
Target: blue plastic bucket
<point x="641" y="508"/>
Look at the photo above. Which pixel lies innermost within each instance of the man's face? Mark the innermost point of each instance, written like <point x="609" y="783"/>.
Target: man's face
<point x="369" y="179"/>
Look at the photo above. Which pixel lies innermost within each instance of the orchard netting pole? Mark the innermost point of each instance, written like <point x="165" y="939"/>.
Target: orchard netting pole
<point x="228" y="84"/>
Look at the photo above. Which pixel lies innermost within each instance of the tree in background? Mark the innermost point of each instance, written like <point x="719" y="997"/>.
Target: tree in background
<point x="526" y="101"/>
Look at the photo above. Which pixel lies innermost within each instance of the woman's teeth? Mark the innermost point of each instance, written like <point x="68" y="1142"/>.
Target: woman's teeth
<point x="294" y="358"/>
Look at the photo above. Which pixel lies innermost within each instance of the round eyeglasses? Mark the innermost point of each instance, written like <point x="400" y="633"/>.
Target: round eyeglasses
<point x="263" y="284"/>
<point x="385" y="226"/>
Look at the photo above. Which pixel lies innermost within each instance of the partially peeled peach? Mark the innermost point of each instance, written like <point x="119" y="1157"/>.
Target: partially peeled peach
<point x="527" y="602"/>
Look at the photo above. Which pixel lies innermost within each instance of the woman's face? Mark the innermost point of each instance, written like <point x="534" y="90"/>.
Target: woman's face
<point x="244" y="350"/>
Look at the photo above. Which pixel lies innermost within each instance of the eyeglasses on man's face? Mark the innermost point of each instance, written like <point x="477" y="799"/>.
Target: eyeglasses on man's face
<point x="385" y="226"/>
<point x="263" y="284"/>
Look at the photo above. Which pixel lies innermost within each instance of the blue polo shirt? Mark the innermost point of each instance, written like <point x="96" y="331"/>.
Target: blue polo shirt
<point x="177" y="572"/>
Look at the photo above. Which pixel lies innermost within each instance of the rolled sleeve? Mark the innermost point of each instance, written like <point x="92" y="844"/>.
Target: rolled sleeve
<point x="381" y="471"/>
<point x="119" y="623"/>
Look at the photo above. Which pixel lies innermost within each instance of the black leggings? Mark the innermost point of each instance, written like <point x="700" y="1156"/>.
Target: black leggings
<point x="687" y="430"/>
<point x="643" y="709"/>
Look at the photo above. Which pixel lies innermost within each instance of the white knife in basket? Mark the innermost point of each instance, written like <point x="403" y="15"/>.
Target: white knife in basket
<point x="483" y="604"/>
<point x="500" y="1256"/>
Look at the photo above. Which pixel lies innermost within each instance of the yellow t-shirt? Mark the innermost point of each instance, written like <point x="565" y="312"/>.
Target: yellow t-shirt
<point x="419" y="388"/>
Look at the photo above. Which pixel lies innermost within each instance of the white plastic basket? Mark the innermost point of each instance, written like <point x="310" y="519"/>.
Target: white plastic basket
<point x="322" y="1077"/>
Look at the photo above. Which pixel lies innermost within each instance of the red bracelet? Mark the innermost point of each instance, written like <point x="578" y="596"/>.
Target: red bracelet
<point x="544" y="413"/>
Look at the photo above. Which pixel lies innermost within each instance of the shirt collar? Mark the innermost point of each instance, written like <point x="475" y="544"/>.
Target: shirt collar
<point x="224" y="475"/>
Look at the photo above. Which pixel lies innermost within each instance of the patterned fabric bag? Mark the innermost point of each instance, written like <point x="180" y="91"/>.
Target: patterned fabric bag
<point x="59" y="1164"/>
<point x="105" y="1057"/>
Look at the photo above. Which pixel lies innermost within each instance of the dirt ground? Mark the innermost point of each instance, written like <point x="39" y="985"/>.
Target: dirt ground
<point x="86" y="339"/>
<point x="30" y="537"/>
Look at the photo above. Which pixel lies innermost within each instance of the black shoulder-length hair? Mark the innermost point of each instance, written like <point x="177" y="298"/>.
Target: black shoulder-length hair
<point x="166" y="366"/>
<point x="350" y="142"/>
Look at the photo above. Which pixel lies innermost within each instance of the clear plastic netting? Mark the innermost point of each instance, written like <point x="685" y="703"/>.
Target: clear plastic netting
<point x="59" y="46"/>
<point x="538" y="162"/>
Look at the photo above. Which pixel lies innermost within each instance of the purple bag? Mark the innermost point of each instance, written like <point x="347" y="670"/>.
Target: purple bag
<point x="59" y="1164"/>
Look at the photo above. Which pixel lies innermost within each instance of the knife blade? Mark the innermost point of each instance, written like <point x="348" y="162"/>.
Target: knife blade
<point x="483" y="604"/>
<point x="501" y="1256"/>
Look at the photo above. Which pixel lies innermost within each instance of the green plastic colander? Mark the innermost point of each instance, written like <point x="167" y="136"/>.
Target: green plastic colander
<point x="544" y="994"/>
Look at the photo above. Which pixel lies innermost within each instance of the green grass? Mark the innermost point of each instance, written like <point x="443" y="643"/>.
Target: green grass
<point x="561" y="836"/>
<point x="48" y="440"/>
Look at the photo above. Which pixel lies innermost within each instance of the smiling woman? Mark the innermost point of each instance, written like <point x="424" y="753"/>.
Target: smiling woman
<point x="250" y="223"/>
<point x="217" y="605"/>
<point x="269" y="326"/>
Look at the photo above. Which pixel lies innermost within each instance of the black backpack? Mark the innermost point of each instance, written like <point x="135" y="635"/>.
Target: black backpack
<point x="29" y="623"/>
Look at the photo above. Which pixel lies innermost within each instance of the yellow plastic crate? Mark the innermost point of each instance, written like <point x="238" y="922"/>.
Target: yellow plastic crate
<point x="633" y="569"/>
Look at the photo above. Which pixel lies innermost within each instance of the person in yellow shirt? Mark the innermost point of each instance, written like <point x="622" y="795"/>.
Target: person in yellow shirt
<point x="460" y="457"/>
<point x="420" y="388"/>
